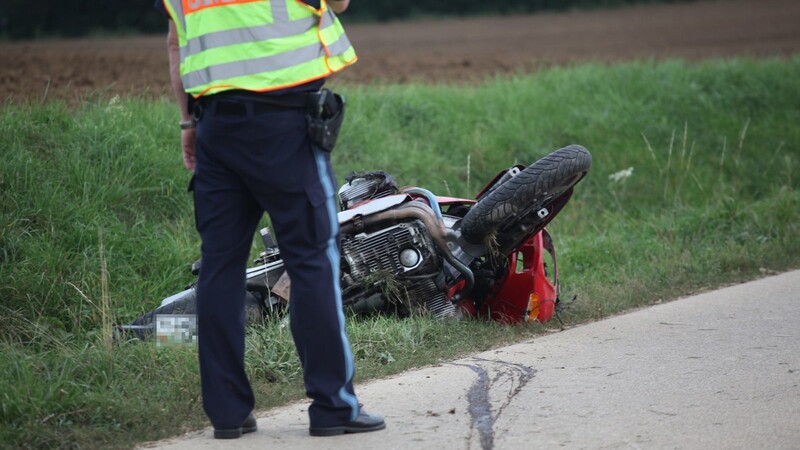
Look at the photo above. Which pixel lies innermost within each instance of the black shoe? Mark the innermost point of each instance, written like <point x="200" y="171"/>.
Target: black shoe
<point x="248" y="426"/>
<point x="363" y="423"/>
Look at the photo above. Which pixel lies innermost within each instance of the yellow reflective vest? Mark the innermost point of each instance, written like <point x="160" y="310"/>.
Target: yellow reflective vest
<point x="256" y="45"/>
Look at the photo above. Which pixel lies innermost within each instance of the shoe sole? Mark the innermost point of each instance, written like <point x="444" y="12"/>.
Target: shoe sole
<point x="228" y="434"/>
<point x="336" y="431"/>
<point x="234" y="433"/>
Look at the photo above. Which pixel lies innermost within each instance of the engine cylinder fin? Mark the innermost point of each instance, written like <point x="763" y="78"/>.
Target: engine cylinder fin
<point x="379" y="251"/>
<point x="427" y="297"/>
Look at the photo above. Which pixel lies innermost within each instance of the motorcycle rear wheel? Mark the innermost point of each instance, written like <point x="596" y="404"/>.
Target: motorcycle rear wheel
<point x="524" y="204"/>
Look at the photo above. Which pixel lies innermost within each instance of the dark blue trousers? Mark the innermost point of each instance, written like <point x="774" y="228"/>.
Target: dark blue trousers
<point x="249" y="163"/>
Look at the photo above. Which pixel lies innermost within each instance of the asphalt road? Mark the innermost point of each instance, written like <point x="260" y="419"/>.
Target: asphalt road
<point x="720" y="370"/>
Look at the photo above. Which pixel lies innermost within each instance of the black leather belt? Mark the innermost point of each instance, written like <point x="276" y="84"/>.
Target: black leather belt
<point x="233" y="108"/>
<point x="237" y="103"/>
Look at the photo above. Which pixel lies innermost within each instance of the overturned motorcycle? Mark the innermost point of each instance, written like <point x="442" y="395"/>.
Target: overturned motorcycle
<point x="407" y="251"/>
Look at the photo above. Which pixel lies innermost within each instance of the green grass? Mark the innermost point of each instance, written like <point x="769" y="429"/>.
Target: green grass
<point x="96" y="226"/>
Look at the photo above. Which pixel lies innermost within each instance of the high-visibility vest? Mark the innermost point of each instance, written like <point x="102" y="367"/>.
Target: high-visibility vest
<point x="256" y="45"/>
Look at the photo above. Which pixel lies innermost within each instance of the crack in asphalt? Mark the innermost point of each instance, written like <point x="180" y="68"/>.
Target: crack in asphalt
<point x="479" y="399"/>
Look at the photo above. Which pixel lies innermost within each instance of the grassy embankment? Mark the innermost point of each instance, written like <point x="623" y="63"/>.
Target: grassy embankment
<point x="96" y="226"/>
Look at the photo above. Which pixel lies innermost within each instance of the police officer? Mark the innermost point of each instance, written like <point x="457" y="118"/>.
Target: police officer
<point x="244" y="73"/>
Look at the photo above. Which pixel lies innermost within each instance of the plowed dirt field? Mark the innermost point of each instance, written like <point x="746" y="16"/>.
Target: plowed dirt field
<point x="461" y="51"/>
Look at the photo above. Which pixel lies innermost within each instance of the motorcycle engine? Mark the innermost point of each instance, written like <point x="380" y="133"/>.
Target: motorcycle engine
<point x="400" y="261"/>
<point x="366" y="186"/>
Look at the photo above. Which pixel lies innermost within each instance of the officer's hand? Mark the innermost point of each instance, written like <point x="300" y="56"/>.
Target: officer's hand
<point x="188" y="145"/>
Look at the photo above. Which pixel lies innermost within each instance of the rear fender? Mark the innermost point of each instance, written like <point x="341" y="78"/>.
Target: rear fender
<point x="499" y="179"/>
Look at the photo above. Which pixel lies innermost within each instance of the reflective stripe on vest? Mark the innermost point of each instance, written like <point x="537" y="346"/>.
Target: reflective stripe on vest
<point x="257" y="45"/>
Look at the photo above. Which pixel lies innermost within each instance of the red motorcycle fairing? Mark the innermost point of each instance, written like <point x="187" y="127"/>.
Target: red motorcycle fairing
<point x="525" y="293"/>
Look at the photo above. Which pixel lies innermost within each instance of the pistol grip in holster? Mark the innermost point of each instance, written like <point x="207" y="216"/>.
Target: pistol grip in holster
<point x="325" y="119"/>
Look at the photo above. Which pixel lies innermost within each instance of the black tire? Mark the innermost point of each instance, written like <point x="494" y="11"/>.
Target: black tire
<point x="510" y="213"/>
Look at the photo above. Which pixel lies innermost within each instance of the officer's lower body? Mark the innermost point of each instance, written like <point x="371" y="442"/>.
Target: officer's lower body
<point x="249" y="162"/>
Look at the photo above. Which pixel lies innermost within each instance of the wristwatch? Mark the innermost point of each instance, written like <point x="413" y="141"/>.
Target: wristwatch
<point x="188" y="124"/>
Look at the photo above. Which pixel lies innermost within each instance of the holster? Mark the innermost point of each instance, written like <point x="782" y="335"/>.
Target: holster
<point x="325" y="116"/>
